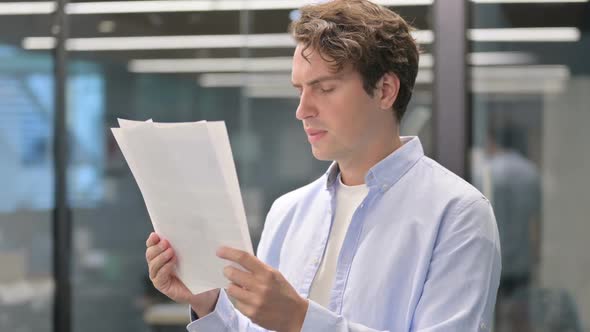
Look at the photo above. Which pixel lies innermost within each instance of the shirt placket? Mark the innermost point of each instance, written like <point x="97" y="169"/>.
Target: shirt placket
<point x="318" y="250"/>
<point x="347" y="252"/>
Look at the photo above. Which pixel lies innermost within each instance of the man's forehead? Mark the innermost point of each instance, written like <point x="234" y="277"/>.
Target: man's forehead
<point x="311" y="68"/>
<point x="318" y="79"/>
<point x="313" y="75"/>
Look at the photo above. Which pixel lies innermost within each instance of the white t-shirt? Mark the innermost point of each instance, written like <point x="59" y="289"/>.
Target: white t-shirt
<point x="348" y="198"/>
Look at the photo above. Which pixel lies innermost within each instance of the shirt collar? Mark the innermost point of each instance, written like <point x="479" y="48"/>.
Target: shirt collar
<point x="389" y="170"/>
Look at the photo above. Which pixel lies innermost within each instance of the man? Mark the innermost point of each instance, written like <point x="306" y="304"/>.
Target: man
<point x="513" y="185"/>
<point x="516" y="192"/>
<point x="387" y="239"/>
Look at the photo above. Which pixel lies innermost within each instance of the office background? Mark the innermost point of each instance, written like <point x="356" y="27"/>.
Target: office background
<point x="507" y="107"/>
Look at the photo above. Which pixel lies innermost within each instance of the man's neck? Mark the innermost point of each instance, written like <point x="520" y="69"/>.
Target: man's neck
<point x="353" y="171"/>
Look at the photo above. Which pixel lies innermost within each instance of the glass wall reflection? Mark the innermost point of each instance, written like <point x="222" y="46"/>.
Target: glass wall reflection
<point x="529" y="85"/>
<point x="26" y="177"/>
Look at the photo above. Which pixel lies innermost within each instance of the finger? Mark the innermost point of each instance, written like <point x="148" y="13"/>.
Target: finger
<point x="153" y="251"/>
<point x="156" y="264"/>
<point x="165" y="272"/>
<point x="240" y="278"/>
<point x="152" y="239"/>
<point x="246" y="260"/>
<point x="239" y="293"/>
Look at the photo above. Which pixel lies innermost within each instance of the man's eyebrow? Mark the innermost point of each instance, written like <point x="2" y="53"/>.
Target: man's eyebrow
<point x="320" y="79"/>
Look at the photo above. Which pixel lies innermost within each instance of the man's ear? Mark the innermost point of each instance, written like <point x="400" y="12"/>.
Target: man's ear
<point x="389" y="86"/>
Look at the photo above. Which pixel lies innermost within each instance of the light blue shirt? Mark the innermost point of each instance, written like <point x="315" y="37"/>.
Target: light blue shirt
<point x="421" y="253"/>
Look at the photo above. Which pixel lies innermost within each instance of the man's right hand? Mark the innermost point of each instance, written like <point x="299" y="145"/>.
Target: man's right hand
<point x="162" y="269"/>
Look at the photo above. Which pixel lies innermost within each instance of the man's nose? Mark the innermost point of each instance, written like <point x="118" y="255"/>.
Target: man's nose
<point x="306" y="108"/>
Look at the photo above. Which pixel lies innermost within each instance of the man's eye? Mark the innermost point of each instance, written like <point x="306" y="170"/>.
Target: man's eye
<point x="327" y="90"/>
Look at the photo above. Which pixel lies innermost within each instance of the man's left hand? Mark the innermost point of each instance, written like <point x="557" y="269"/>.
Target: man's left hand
<point x="262" y="293"/>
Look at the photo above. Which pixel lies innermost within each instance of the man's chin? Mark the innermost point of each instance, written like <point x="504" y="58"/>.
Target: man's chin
<point x="320" y="155"/>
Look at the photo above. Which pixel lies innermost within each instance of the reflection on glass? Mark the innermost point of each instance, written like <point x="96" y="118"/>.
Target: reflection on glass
<point x="26" y="196"/>
<point x="529" y="86"/>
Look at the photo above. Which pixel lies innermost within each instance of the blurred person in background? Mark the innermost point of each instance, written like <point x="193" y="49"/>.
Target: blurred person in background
<point x="516" y="198"/>
<point x="387" y="239"/>
<point x="513" y="185"/>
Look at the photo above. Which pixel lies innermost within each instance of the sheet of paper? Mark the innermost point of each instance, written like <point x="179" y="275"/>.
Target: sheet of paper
<point x="188" y="181"/>
<point x="124" y="123"/>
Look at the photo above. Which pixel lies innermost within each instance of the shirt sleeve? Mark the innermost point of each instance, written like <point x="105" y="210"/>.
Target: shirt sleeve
<point x="460" y="290"/>
<point x="224" y="318"/>
<point x="319" y="318"/>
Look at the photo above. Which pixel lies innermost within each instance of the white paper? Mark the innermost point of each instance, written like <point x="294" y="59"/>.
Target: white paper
<point x="124" y="123"/>
<point x="187" y="177"/>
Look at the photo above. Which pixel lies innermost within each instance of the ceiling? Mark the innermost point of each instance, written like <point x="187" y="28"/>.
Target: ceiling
<point x="15" y="28"/>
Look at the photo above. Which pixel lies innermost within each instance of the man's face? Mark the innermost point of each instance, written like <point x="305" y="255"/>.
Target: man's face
<point x="337" y="114"/>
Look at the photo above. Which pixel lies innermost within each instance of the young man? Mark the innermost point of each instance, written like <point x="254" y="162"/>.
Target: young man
<point x="387" y="239"/>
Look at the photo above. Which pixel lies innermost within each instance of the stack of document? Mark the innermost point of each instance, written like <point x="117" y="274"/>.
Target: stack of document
<point x="186" y="174"/>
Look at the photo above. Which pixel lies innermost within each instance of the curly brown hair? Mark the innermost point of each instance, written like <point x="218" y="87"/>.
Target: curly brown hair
<point x="372" y="38"/>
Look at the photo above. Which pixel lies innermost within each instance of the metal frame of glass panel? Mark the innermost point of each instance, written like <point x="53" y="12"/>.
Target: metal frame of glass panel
<point x="451" y="117"/>
<point x="62" y="228"/>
